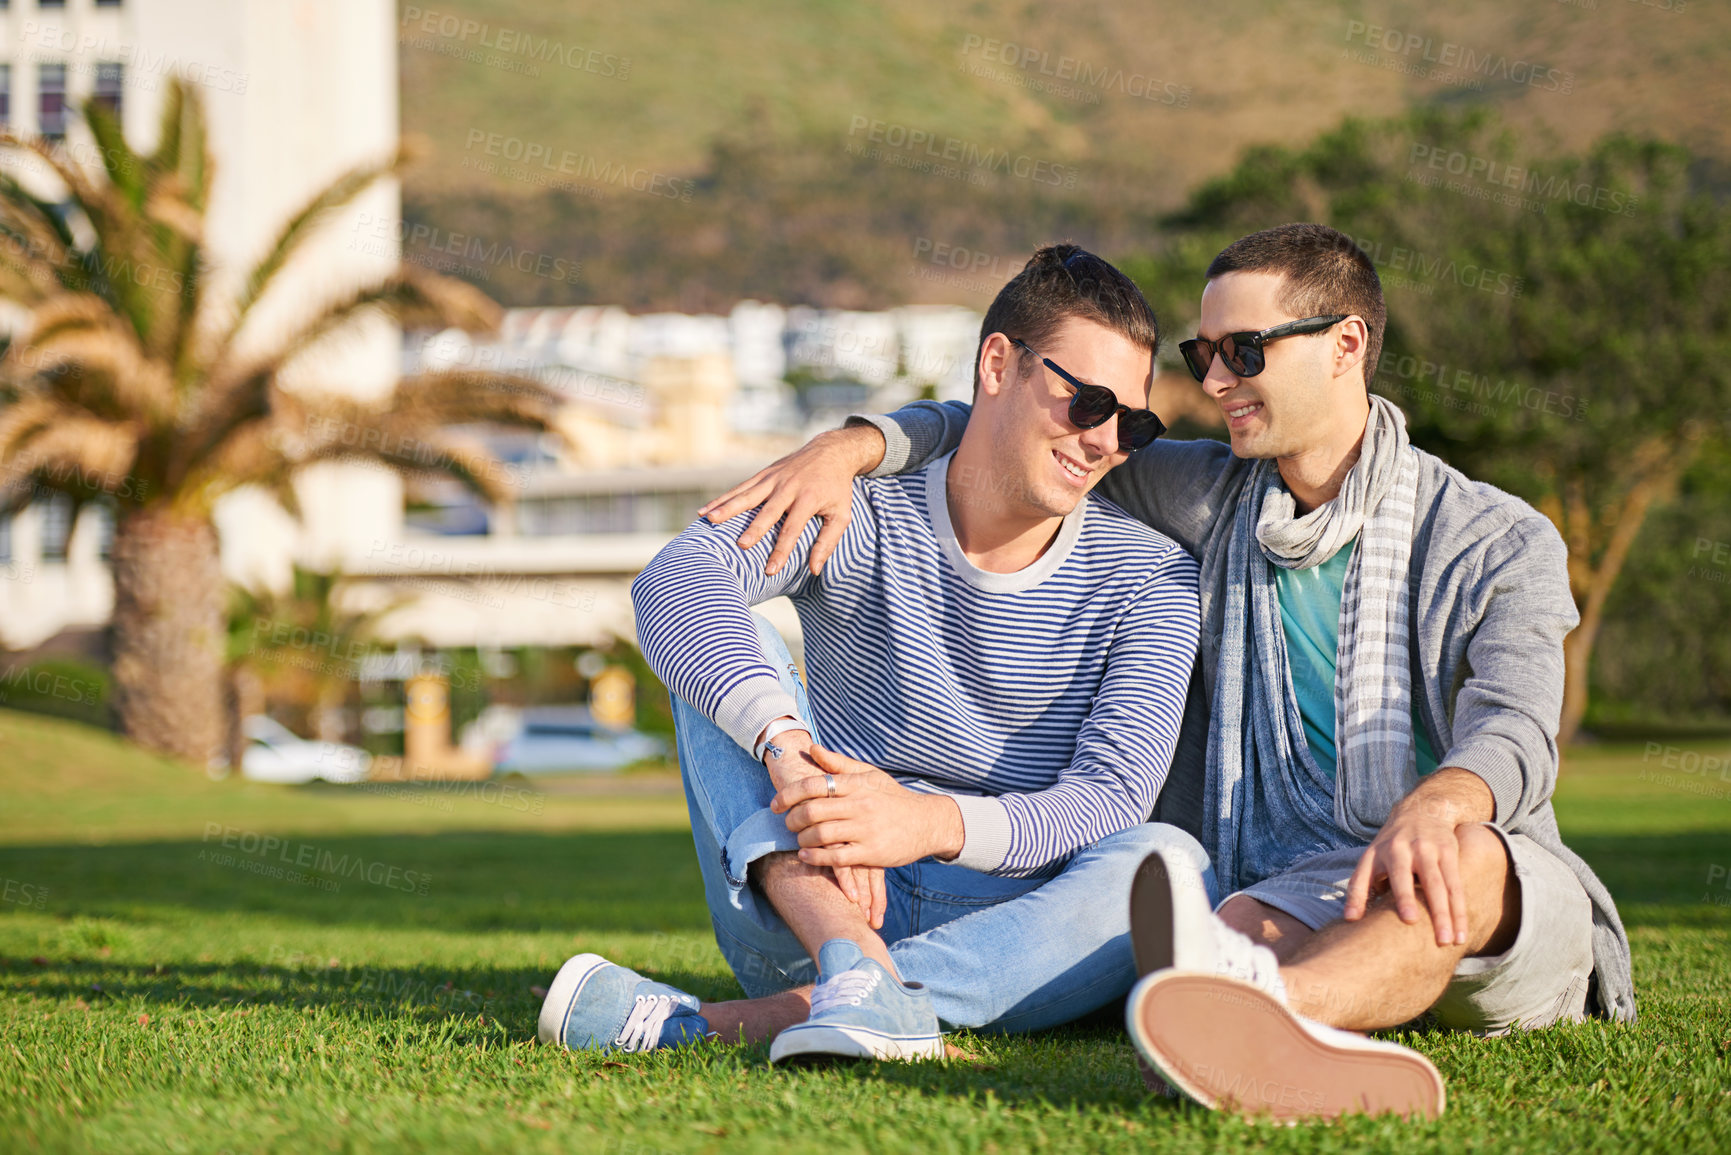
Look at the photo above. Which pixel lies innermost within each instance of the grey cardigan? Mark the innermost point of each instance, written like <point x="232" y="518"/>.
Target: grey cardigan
<point x="1490" y="591"/>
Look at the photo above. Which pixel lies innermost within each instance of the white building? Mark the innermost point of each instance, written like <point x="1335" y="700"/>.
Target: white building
<point x="295" y="93"/>
<point x="664" y="410"/>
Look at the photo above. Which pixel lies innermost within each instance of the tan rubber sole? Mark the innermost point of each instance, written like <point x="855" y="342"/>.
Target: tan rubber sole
<point x="1232" y="1047"/>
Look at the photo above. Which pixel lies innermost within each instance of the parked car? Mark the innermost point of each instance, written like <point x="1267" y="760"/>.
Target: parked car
<point x="274" y="753"/>
<point x="557" y="739"/>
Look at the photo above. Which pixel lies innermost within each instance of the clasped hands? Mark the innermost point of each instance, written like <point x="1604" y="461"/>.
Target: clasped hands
<point x="872" y="821"/>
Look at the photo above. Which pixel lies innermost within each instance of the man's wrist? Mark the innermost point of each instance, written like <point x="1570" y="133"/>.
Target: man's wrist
<point x="766" y="739"/>
<point x="1455" y="795"/>
<point x="864" y="443"/>
<point x="948" y="832"/>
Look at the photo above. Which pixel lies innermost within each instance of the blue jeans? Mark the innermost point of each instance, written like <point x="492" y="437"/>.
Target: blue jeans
<point x="999" y="954"/>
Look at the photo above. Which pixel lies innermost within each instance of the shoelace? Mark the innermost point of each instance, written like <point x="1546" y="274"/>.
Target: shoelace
<point x="642" y="1029"/>
<point x="1242" y="958"/>
<point x="848" y="987"/>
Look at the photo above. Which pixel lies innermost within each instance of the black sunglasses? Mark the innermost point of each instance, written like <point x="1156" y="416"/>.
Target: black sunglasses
<point x="1091" y="406"/>
<point x="1242" y="352"/>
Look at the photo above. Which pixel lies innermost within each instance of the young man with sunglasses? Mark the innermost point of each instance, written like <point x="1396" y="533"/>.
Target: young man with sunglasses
<point x="996" y="660"/>
<point x="1368" y="752"/>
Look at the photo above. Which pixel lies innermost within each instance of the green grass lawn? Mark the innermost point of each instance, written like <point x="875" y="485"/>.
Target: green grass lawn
<point x="160" y="990"/>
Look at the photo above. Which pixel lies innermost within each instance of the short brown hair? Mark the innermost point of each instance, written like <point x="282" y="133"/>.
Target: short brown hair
<point x="1063" y="281"/>
<point x="1325" y="273"/>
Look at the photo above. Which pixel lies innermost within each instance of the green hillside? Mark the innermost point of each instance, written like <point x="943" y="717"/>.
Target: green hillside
<point x="711" y="151"/>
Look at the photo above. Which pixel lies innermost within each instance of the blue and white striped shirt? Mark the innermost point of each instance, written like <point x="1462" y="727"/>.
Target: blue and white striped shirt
<point x="1046" y="701"/>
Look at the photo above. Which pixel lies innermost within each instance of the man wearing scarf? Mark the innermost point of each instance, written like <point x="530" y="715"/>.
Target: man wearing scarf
<point x="1369" y="747"/>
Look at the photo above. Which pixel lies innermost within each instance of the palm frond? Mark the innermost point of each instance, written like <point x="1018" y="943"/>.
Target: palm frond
<point x="77" y="455"/>
<point x="413" y="298"/>
<point x="295" y="232"/>
<point x="105" y="373"/>
<point x="125" y="172"/>
<point x="22" y="420"/>
<point x="466" y="396"/>
<point x="36" y="244"/>
<point x="416" y="451"/>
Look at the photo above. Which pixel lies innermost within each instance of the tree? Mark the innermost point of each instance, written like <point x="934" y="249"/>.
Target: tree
<point x="1559" y="326"/>
<point x="135" y="384"/>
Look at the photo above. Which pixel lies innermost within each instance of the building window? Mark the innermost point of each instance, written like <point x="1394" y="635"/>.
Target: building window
<point x="108" y="3"/>
<point x="643" y="512"/>
<point x="5" y="90"/>
<point x="56" y="515"/>
<point x="110" y="79"/>
<point x="51" y="100"/>
<point x="50" y="3"/>
<point x="104" y="515"/>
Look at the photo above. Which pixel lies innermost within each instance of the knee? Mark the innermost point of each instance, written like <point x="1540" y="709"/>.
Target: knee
<point x="1485" y="872"/>
<point x="1146" y="837"/>
<point x="1133" y="845"/>
<point x="1484" y="859"/>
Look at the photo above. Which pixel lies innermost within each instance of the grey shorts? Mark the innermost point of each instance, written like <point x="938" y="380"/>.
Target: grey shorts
<point x="1540" y="980"/>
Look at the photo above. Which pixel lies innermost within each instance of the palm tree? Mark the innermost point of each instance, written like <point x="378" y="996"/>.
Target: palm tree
<point x="149" y="392"/>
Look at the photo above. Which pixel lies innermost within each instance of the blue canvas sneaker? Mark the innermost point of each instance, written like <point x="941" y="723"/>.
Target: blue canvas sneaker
<point x="597" y="1005"/>
<point x="859" y="1012"/>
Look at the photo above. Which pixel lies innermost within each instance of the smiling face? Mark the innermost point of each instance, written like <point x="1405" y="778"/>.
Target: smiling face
<point x="1308" y="386"/>
<point x="1041" y="462"/>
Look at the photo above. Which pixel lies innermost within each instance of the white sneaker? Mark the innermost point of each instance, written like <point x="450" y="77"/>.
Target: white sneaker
<point x="1233" y="1046"/>
<point x="1173" y="926"/>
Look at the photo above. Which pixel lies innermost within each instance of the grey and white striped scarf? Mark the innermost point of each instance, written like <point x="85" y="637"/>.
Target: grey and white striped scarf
<point x="1268" y="801"/>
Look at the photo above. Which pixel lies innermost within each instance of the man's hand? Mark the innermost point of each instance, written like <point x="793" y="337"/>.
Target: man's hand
<point x="815" y="480"/>
<point x="863" y="885"/>
<point x="1419" y="843"/>
<point x="873" y="820"/>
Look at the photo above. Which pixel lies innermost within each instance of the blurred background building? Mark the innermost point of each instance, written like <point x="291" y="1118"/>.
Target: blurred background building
<point x="663" y="410"/>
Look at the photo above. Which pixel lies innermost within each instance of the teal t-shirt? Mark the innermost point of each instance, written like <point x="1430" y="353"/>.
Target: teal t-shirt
<point x="1310" y="613"/>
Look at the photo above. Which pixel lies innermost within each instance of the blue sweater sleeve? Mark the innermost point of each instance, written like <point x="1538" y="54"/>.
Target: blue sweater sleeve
<point x="693" y="604"/>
